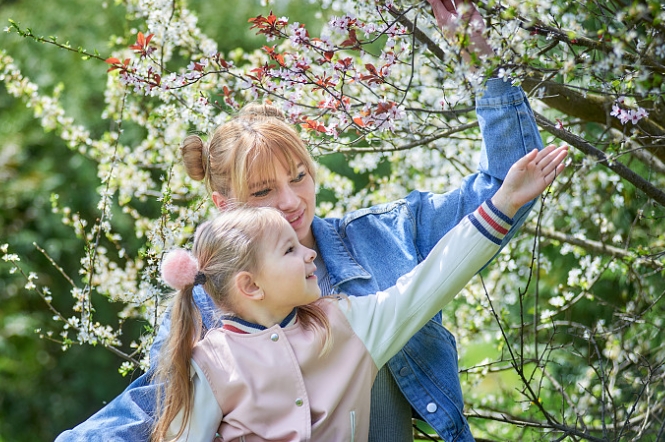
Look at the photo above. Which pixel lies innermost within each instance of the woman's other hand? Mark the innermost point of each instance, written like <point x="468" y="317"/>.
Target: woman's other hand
<point x="462" y="16"/>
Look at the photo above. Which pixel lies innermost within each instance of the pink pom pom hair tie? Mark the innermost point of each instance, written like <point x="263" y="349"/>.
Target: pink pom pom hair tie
<point x="180" y="269"/>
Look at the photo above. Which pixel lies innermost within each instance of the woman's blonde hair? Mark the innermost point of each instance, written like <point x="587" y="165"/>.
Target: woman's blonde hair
<point x="228" y="244"/>
<point x="246" y="146"/>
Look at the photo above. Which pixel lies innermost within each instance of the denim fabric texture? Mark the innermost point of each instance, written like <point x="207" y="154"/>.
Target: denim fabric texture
<point x="367" y="251"/>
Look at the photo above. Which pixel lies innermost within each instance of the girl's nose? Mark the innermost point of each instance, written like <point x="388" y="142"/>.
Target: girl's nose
<point x="310" y="255"/>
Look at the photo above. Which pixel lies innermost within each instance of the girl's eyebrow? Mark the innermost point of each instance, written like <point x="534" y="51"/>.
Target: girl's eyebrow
<point x="283" y="242"/>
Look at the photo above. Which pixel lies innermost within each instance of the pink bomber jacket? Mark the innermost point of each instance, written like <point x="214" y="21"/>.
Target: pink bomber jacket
<point x="272" y="385"/>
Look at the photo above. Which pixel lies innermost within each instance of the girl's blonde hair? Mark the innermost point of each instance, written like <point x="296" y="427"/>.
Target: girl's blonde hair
<point x="223" y="247"/>
<point x="248" y="145"/>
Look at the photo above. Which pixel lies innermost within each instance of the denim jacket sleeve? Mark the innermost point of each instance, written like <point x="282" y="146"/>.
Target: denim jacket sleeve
<point x="509" y="131"/>
<point x="426" y="368"/>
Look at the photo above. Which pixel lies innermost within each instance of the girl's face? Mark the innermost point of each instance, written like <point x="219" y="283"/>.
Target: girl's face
<point x="293" y="195"/>
<point x="286" y="273"/>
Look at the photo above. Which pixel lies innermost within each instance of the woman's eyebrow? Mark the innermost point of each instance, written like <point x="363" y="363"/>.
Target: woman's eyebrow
<point x="260" y="184"/>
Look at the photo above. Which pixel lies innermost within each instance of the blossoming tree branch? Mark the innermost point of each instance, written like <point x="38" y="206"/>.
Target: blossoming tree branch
<point x="383" y="87"/>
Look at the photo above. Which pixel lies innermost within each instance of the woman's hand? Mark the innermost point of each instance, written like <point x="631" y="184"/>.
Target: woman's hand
<point x="462" y="16"/>
<point x="529" y="177"/>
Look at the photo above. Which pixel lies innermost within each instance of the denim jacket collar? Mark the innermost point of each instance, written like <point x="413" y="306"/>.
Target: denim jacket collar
<point x="341" y="265"/>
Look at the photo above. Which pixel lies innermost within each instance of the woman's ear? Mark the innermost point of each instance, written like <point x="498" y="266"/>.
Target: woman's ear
<point x="219" y="200"/>
<point x="244" y="282"/>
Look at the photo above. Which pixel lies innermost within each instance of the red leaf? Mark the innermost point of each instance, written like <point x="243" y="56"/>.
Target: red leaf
<point x="142" y="43"/>
<point x="279" y="58"/>
<point x="313" y="125"/>
<point x="384" y="107"/>
<point x="352" y="40"/>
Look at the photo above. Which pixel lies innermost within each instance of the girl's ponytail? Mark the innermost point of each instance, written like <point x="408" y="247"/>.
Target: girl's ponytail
<point x="173" y="367"/>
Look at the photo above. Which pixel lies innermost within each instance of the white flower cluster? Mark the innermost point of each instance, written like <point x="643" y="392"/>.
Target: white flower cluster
<point x="368" y="87"/>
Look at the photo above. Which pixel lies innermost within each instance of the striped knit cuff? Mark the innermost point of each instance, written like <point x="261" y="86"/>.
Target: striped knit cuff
<point x="491" y="222"/>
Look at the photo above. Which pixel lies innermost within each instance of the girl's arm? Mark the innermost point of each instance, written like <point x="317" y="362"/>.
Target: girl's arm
<point x="507" y="126"/>
<point x="386" y="320"/>
<point x="399" y="312"/>
<point x="206" y="416"/>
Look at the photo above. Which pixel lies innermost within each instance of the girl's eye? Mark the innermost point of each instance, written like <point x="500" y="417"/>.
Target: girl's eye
<point x="301" y="176"/>
<point x="260" y="193"/>
<point x="289" y="250"/>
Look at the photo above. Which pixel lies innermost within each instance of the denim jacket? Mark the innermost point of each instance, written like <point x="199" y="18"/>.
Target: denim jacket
<point x="367" y="251"/>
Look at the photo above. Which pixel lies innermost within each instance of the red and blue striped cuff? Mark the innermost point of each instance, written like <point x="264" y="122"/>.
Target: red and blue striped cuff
<point x="491" y="222"/>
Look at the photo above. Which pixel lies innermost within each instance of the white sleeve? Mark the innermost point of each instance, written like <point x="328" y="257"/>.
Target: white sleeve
<point x="386" y="320"/>
<point x="206" y="416"/>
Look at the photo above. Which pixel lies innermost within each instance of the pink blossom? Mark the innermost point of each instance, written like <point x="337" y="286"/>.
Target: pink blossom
<point x="624" y="116"/>
<point x="616" y="110"/>
<point x="634" y="117"/>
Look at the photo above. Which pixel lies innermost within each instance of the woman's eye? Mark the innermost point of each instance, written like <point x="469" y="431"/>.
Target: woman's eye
<point x="301" y="176"/>
<point x="260" y="193"/>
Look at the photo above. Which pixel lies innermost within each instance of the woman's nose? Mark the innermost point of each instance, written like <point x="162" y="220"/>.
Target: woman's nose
<point x="288" y="200"/>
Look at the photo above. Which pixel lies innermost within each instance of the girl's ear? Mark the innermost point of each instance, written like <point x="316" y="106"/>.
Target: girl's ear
<point x="246" y="286"/>
<point x="219" y="200"/>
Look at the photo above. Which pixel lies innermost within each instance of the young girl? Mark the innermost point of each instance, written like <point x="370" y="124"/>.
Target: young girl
<point x="288" y="365"/>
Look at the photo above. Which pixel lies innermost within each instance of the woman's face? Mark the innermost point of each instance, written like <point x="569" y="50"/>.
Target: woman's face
<point x="292" y="194"/>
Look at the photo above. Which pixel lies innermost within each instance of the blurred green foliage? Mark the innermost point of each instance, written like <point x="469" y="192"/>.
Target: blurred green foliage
<point x="44" y="390"/>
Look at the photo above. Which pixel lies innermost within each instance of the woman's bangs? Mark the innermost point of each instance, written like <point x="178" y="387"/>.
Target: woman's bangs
<point x="260" y="170"/>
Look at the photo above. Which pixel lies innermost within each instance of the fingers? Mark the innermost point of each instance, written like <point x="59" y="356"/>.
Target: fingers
<point x="449" y="5"/>
<point x="550" y="177"/>
<point x="556" y="166"/>
<point x="549" y="154"/>
<point x="445" y="11"/>
<point x="528" y="158"/>
<point x="546" y="151"/>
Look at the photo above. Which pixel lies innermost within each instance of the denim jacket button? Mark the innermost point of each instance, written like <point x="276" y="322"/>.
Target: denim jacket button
<point x="403" y="371"/>
<point x="431" y="407"/>
<point x="274" y="337"/>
